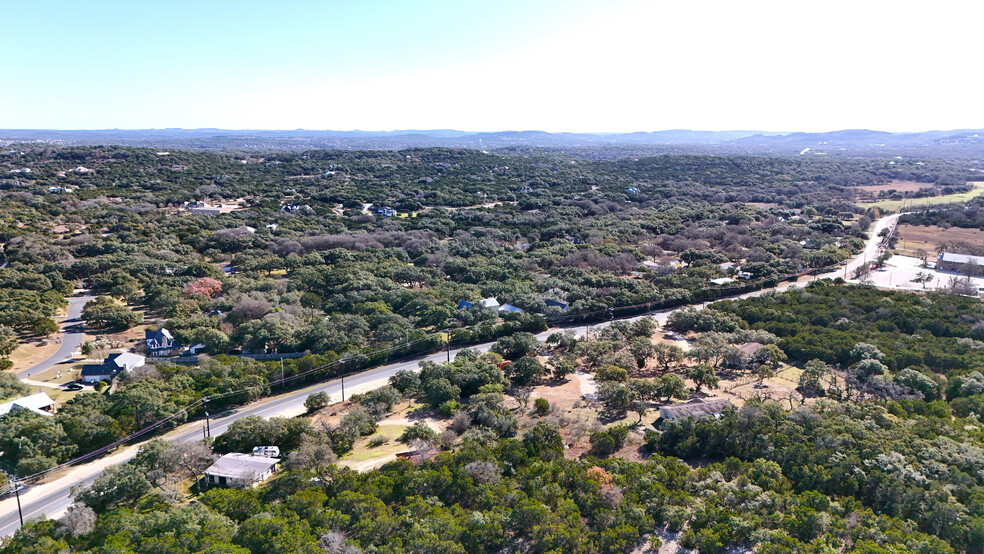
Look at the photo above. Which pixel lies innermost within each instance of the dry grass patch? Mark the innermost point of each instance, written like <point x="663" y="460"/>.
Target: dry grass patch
<point x="62" y="396"/>
<point x="29" y="354"/>
<point x="893" y="205"/>
<point x="364" y="451"/>
<point x="561" y="394"/>
<point x="901" y="186"/>
<point x="69" y="372"/>
<point x="932" y="239"/>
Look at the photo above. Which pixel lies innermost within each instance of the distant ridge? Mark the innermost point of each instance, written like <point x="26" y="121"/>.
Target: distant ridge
<point x="958" y="143"/>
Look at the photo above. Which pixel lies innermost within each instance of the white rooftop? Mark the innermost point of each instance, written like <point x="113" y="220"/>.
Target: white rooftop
<point x="129" y="360"/>
<point x="241" y="466"/>
<point x="35" y="403"/>
<point x="961" y="258"/>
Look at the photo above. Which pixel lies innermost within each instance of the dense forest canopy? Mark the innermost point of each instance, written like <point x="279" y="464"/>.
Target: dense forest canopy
<point x="348" y="259"/>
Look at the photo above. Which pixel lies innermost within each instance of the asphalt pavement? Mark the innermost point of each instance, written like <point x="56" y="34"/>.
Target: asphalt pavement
<point x="71" y="338"/>
<point x="54" y="498"/>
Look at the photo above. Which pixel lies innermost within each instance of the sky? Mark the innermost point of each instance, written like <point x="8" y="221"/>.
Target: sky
<point x="551" y="65"/>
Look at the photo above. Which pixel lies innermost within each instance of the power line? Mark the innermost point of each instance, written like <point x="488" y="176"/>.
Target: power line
<point x="549" y="320"/>
<point x="157" y="424"/>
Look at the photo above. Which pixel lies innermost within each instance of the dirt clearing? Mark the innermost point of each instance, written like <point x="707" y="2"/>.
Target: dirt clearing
<point x="932" y="239"/>
<point x="901" y="186"/>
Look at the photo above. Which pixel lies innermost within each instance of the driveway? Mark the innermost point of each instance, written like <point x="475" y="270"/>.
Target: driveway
<point x="54" y="497"/>
<point x="71" y="337"/>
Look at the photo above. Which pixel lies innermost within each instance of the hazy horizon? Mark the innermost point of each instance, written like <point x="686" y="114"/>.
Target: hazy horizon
<point x="486" y="131"/>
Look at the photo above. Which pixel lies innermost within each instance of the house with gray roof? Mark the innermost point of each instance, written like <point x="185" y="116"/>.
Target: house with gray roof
<point x="111" y="367"/>
<point x="241" y="470"/>
<point x="963" y="264"/>
<point x="161" y="343"/>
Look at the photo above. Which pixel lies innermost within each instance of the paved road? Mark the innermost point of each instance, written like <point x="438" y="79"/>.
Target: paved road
<point x="71" y="339"/>
<point x="54" y="497"/>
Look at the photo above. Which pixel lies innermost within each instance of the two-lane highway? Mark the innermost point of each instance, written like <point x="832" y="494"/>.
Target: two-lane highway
<point x="54" y="497"/>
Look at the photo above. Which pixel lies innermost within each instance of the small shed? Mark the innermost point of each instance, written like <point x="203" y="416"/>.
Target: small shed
<point x="418" y="457"/>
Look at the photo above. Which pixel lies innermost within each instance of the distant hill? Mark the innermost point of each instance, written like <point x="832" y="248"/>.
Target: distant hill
<point x="964" y="143"/>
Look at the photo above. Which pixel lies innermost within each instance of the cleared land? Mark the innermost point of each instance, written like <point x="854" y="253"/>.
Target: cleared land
<point x="931" y="239"/>
<point x="901" y="186"/>
<point x="30" y="353"/>
<point x="362" y="451"/>
<point x="893" y="205"/>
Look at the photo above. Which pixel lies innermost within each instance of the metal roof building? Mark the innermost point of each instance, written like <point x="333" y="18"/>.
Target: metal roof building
<point x="241" y="470"/>
<point x="39" y="403"/>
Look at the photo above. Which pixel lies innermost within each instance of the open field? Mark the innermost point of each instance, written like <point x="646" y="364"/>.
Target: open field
<point x="69" y="372"/>
<point x="362" y="452"/>
<point x="932" y="239"/>
<point x="30" y="353"/>
<point x="61" y="396"/>
<point x="893" y="205"/>
<point x="901" y="186"/>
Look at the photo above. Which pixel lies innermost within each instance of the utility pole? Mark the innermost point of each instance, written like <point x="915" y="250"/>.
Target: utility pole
<point x="208" y="428"/>
<point x="448" y="331"/>
<point x="343" y="388"/>
<point x="283" y="384"/>
<point x="20" y="514"/>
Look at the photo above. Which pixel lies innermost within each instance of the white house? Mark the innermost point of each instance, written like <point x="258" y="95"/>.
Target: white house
<point x="241" y="470"/>
<point x="39" y="403"/>
<point x="489" y="303"/>
<point x="111" y="367"/>
<point x="127" y="361"/>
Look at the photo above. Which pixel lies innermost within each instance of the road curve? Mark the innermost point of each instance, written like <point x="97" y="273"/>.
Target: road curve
<point x="71" y="337"/>
<point x="54" y="497"/>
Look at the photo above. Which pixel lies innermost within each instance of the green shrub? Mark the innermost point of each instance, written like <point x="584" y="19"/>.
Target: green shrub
<point x="612" y="373"/>
<point x="417" y="431"/>
<point x="607" y="441"/>
<point x="602" y="443"/>
<point x="541" y="406"/>
<point x="317" y="401"/>
<point x="449" y="408"/>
